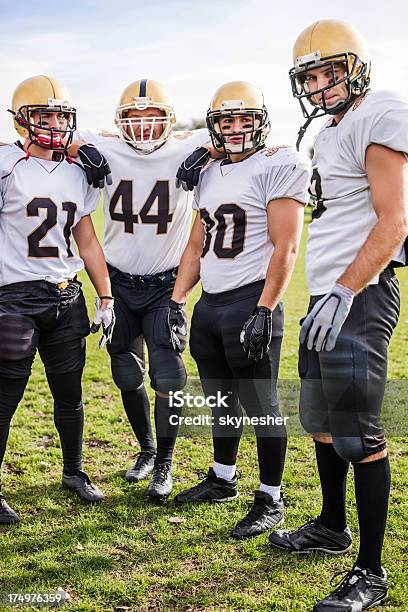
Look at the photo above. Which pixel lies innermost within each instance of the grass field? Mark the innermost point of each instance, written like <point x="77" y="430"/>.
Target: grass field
<point x="127" y="554"/>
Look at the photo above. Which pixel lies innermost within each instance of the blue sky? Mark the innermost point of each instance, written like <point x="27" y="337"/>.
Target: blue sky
<point x="97" y="48"/>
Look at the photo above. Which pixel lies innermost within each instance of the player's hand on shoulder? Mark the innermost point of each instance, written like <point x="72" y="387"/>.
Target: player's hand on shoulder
<point x="321" y="327"/>
<point x="105" y="316"/>
<point x="256" y="333"/>
<point x="188" y="173"/>
<point x="96" y="167"/>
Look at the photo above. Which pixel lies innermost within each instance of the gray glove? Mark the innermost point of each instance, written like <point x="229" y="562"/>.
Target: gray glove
<point x="106" y="318"/>
<point x="321" y="327"/>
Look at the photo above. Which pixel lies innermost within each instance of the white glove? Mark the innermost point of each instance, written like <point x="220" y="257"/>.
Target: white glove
<point x="106" y="318"/>
<point x="322" y="325"/>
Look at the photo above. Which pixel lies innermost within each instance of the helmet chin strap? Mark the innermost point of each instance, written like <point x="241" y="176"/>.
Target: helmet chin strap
<point x="303" y="128"/>
<point x="339" y="108"/>
<point x="342" y="106"/>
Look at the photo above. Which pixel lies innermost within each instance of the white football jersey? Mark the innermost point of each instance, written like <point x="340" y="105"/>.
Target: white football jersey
<point x="344" y="215"/>
<point x="147" y="220"/>
<point x="232" y="201"/>
<point x="40" y="202"/>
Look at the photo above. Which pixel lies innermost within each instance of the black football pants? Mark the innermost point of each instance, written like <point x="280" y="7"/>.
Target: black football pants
<point x="223" y="366"/>
<point x="140" y="305"/>
<point x="37" y="316"/>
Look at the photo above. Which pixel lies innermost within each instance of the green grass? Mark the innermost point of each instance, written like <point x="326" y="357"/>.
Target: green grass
<point x="127" y="554"/>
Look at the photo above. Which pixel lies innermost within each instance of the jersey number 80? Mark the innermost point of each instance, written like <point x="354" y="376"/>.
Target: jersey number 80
<point x="236" y="247"/>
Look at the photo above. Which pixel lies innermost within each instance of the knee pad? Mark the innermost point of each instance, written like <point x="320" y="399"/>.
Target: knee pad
<point x="313" y="409"/>
<point x="166" y="376"/>
<point x="349" y="448"/>
<point x="127" y="371"/>
<point x="307" y="421"/>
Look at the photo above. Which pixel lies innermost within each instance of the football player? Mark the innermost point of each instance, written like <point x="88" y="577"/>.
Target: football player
<point x="355" y="240"/>
<point x="147" y="223"/>
<point x="44" y="201"/>
<point x="249" y="219"/>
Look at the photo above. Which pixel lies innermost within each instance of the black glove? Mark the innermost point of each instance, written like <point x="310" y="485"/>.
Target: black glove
<point x="257" y="333"/>
<point x="95" y="165"/>
<point x="177" y="326"/>
<point x="189" y="172"/>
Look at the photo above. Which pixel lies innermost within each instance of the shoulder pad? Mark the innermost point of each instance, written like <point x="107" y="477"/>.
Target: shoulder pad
<point x="108" y="134"/>
<point x="182" y="135"/>
<point x="359" y="101"/>
<point x="272" y="150"/>
<point x="380" y="101"/>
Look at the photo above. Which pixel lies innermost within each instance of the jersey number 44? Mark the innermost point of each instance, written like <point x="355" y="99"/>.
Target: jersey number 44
<point x="124" y="193"/>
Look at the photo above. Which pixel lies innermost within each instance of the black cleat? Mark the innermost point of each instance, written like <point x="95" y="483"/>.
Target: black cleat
<point x="359" y="589"/>
<point x="7" y="514"/>
<point x="312" y="537"/>
<point x="142" y="468"/>
<point x="265" y="513"/>
<point x="81" y="484"/>
<point x="161" y="484"/>
<point x="211" y="489"/>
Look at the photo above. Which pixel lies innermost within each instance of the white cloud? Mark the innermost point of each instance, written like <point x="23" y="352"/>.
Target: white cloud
<point x="190" y="47"/>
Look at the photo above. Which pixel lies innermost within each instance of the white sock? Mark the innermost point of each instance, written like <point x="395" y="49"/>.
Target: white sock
<point x="227" y="472"/>
<point x="274" y="492"/>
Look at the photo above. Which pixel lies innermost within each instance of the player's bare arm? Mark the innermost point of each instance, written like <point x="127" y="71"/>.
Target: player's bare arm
<point x="73" y="148"/>
<point x="91" y="253"/>
<point x="214" y="153"/>
<point x="387" y="172"/>
<point x="189" y="270"/>
<point x="188" y="276"/>
<point x="285" y="219"/>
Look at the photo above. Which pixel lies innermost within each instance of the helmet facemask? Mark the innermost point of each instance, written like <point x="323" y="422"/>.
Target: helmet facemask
<point x="251" y="139"/>
<point x="356" y="79"/>
<point x="50" y="138"/>
<point x="127" y="125"/>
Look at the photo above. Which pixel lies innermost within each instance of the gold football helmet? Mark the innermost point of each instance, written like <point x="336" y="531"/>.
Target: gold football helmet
<point x="238" y="98"/>
<point x="141" y="95"/>
<point x="329" y="42"/>
<point x="43" y="95"/>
